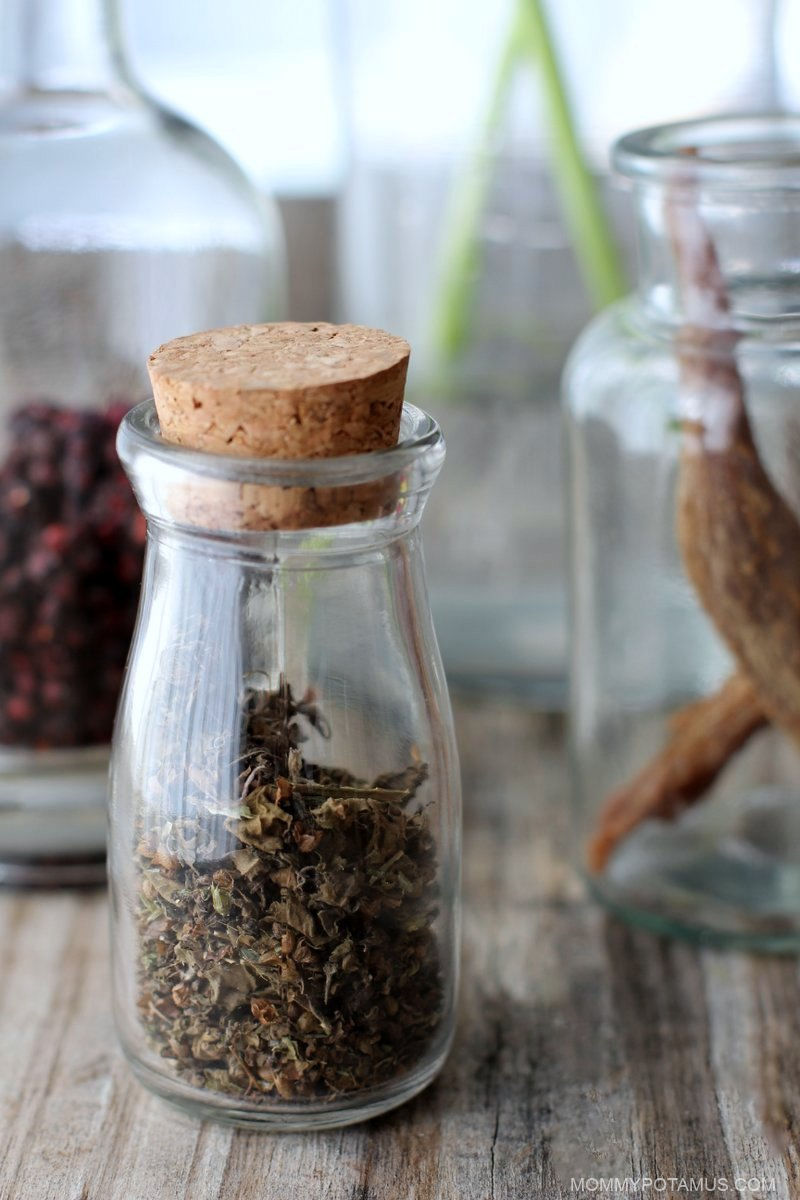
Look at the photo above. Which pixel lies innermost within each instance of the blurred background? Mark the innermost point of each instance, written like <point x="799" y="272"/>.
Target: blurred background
<point x="435" y="168"/>
<point x="414" y="148"/>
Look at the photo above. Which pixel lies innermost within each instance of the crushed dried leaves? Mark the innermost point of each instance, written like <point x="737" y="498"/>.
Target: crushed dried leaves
<point x="287" y="941"/>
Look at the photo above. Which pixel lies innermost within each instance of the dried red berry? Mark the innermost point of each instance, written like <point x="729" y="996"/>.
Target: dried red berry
<point x="71" y="547"/>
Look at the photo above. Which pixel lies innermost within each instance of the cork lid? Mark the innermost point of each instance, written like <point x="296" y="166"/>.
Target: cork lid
<point x="289" y="390"/>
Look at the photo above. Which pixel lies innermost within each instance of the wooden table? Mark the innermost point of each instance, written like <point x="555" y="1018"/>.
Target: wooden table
<point x="585" y="1051"/>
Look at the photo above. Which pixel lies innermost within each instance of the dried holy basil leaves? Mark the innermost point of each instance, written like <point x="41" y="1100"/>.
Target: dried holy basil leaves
<point x="287" y="941"/>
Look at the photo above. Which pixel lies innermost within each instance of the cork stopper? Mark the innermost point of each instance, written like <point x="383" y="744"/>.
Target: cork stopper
<point x="289" y="390"/>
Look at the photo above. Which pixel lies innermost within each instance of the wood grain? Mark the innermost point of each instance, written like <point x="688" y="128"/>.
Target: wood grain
<point x="584" y="1049"/>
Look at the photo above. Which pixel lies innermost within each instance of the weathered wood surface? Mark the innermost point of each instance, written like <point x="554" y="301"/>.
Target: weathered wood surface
<point x="585" y="1051"/>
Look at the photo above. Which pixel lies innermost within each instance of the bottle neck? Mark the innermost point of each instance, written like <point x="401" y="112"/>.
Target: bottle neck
<point x="735" y="181"/>
<point x="755" y="239"/>
<point x="329" y="510"/>
<point x="58" y="45"/>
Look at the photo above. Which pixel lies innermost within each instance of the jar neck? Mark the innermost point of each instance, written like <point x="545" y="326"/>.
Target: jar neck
<point x="736" y="181"/>
<point x="59" y="46"/>
<point x="756" y="237"/>
<point x="334" y="510"/>
<point x="332" y="548"/>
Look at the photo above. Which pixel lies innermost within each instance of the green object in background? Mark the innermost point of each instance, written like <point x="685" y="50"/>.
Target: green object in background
<point x="530" y="42"/>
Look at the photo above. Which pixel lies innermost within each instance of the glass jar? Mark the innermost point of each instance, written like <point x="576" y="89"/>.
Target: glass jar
<point x="121" y="226"/>
<point x="465" y="228"/>
<point x="285" y="806"/>
<point x="683" y="430"/>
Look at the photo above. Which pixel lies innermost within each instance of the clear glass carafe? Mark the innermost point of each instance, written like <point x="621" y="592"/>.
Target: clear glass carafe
<point x="464" y="227"/>
<point x="285" y="804"/>
<point x="682" y="413"/>
<point x="120" y="227"/>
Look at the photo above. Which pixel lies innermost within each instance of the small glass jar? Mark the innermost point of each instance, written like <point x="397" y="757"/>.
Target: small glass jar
<point x="285" y="804"/>
<point x="120" y="227"/>
<point x="682" y="417"/>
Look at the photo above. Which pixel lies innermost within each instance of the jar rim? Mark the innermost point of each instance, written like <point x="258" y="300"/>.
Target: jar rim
<point x="742" y="152"/>
<point x="420" y="438"/>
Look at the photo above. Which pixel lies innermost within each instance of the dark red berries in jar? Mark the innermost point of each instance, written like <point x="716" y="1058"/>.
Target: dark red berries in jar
<point x="71" y="546"/>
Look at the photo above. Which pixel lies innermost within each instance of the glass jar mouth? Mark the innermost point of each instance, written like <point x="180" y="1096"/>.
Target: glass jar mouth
<point x="750" y="152"/>
<point x="421" y="444"/>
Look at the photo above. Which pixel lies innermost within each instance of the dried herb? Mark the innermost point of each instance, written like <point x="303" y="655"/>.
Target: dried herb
<point x="287" y="945"/>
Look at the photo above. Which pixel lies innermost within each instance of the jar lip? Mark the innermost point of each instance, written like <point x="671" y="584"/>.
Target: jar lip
<point x="420" y="438"/>
<point x="743" y="152"/>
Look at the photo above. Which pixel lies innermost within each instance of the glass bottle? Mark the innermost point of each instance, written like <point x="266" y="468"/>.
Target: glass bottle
<point x="465" y="228"/>
<point x="285" y="805"/>
<point x="681" y="406"/>
<point x="120" y="227"/>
